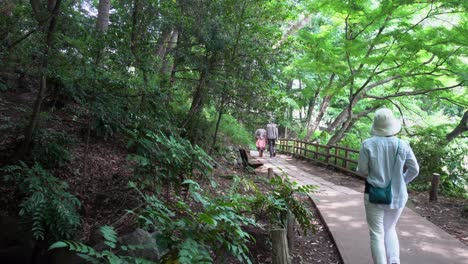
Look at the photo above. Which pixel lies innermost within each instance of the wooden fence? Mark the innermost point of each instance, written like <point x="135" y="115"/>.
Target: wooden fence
<point x="341" y="158"/>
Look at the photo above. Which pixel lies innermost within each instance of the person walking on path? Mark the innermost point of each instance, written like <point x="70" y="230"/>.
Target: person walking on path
<point x="260" y="135"/>
<point x="383" y="158"/>
<point x="272" y="135"/>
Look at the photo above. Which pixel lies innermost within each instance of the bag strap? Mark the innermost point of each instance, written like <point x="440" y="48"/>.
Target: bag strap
<point x="396" y="155"/>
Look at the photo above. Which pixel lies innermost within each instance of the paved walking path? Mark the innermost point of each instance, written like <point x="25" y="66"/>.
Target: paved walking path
<point x="342" y="209"/>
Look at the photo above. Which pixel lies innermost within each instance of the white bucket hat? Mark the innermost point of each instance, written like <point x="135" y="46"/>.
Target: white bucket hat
<point x="385" y="124"/>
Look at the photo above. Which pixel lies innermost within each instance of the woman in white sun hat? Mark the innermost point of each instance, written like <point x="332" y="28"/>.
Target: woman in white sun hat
<point x="382" y="159"/>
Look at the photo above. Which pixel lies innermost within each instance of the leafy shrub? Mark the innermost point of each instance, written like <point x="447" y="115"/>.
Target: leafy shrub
<point x="455" y="167"/>
<point x="188" y="236"/>
<point x="351" y="141"/>
<point x="105" y="256"/>
<point x="109" y="116"/>
<point x="236" y="132"/>
<point x="167" y="159"/>
<point x="48" y="209"/>
<point x="434" y="155"/>
<point x="50" y="148"/>
<point x="276" y="204"/>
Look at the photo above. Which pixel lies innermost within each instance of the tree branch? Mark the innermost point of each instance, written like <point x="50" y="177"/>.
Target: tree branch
<point x="405" y="127"/>
<point x="365" y="88"/>
<point x="461" y="128"/>
<point x="454" y="102"/>
<point x="411" y="93"/>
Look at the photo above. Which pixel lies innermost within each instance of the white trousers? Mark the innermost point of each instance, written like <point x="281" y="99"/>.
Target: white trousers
<point x="383" y="237"/>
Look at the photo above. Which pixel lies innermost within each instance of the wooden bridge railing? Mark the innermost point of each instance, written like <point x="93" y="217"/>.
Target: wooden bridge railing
<point x="342" y="158"/>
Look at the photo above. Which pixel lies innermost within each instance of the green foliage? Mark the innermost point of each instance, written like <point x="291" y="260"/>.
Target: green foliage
<point x="455" y="167"/>
<point x="189" y="235"/>
<point x="436" y="156"/>
<point x="109" y="116"/>
<point x="230" y="129"/>
<point x="116" y="254"/>
<point x="194" y="252"/>
<point x="362" y="55"/>
<point x="281" y="200"/>
<point x="322" y="136"/>
<point x="48" y="209"/>
<point x="50" y="148"/>
<point x="429" y="150"/>
<point x="161" y="158"/>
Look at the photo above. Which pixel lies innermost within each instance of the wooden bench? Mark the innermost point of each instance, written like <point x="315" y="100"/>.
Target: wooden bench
<point x="245" y="161"/>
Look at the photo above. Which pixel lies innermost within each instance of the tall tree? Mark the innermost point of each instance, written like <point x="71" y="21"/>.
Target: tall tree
<point x="41" y="14"/>
<point x="384" y="50"/>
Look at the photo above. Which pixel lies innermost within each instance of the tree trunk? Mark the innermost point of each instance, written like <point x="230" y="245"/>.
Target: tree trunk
<point x="345" y="127"/>
<point x="310" y="109"/>
<point x="459" y="129"/>
<point x="102" y="22"/>
<point x="280" y="246"/>
<point x="220" y="115"/>
<point x="29" y="131"/>
<point x="289" y="110"/>
<point x="38" y="11"/>
<point x="340" y="119"/>
<point x="170" y="46"/>
<point x="167" y="82"/>
<point x="51" y="5"/>
<point x="165" y="38"/>
<point x="349" y="123"/>
<point x="196" y="106"/>
<point x="135" y="32"/>
<point x="323" y="109"/>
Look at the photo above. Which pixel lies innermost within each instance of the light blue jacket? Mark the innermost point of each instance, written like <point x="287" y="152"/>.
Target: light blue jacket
<point x="380" y="162"/>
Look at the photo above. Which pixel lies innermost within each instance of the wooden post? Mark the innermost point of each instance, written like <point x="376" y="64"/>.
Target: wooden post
<point x="327" y="159"/>
<point x="270" y="173"/>
<point x="303" y="146"/>
<point x="316" y="151"/>
<point x="346" y="160"/>
<point x="336" y="155"/>
<point x="280" y="254"/>
<point x="433" y="193"/>
<point x="303" y="149"/>
<point x="299" y="149"/>
<point x="291" y="222"/>
<point x="295" y="148"/>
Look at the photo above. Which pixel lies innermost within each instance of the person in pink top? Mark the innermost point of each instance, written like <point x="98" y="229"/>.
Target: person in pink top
<point x="260" y="135"/>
